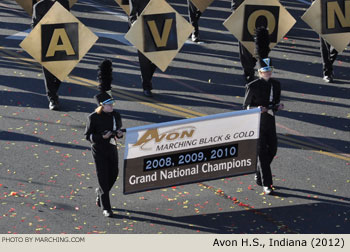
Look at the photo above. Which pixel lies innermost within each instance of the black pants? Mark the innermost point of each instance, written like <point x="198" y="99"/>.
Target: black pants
<point x="247" y="60"/>
<point x="328" y="55"/>
<point x="267" y="149"/>
<point x="147" y="71"/>
<point x="194" y="15"/>
<point x="52" y="84"/>
<point x="106" y="162"/>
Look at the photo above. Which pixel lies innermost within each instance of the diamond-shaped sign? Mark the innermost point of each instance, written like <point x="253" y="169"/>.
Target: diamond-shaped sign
<point x="27" y="5"/>
<point x="202" y="5"/>
<point x="59" y="41"/>
<point x="331" y="20"/>
<point x="159" y="33"/>
<point x="124" y="4"/>
<point x="254" y="13"/>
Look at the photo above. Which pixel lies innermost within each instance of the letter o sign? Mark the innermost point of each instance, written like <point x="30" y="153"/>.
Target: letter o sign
<point x="252" y="20"/>
<point x="260" y="15"/>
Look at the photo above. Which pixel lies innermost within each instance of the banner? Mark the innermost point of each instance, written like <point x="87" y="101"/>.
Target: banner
<point x="191" y="150"/>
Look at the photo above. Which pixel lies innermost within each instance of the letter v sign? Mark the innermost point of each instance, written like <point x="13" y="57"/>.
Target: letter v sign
<point x="156" y="41"/>
<point x="160" y="41"/>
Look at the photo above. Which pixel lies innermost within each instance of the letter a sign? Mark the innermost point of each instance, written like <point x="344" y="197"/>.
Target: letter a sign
<point x="64" y="41"/>
<point x="331" y="20"/>
<point x="157" y="35"/>
<point x="59" y="42"/>
<point x="255" y="13"/>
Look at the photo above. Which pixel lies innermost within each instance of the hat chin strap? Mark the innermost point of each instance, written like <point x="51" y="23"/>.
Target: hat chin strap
<point x="104" y="102"/>
<point x="266" y="69"/>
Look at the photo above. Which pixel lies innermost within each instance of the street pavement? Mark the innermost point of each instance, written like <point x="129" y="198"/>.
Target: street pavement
<point x="47" y="175"/>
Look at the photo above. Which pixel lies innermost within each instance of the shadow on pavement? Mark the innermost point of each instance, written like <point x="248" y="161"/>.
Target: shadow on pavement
<point x="12" y="136"/>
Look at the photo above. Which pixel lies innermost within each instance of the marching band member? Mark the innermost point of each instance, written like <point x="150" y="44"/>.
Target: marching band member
<point x="328" y="55"/>
<point x="248" y="61"/>
<point x="52" y="84"/>
<point x="103" y="130"/>
<point x="194" y="14"/>
<point x="146" y="66"/>
<point x="265" y="93"/>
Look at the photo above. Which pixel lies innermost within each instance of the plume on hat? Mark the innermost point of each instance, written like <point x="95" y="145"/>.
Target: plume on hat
<point x="262" y="49"/>
<point x="105" y="75"/>
<point x="262" y="42"/>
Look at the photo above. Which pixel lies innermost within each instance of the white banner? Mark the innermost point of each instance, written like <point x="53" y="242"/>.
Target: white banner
<point x="191" y="150"/>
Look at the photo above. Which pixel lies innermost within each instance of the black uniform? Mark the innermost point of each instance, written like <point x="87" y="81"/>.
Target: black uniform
<point x="40" y="9"/>
<point x="194" y="14"/>
<point x="147" y="67"/>
<point x="104" y="152"/>
<point x="328" y="55"/>
<point x="248" y="61"/>
<point x="258" y="93"/>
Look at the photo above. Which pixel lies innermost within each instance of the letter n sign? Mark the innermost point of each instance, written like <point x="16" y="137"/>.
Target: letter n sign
<point x="335" y="16"/>
<point x="59" y="42"/>
<point x="160" y="32"/>
<point x="260" y="15"/>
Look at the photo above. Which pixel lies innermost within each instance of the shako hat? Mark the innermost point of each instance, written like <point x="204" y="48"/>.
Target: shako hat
<point x="104" y="98"/>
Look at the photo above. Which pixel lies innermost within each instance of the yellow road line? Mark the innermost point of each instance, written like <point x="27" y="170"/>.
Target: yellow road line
<point x="302" y="142"/>
<point x="18" y="56"/>
<point x="138" y="97"/>
<point x="333" y="155"/>
<point x="72" y="80"/>
<point x="149" y="102"/>
<point x="155" y="106"/>
<point x="80" y="81"/>
<point x="183" y="109"/>
<point x="183" y="112"/>
<point x="316" y="151"/>
<point x="86" y="82"/>
<point x="312" y="146"/>
<point x="25" y="63"/>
